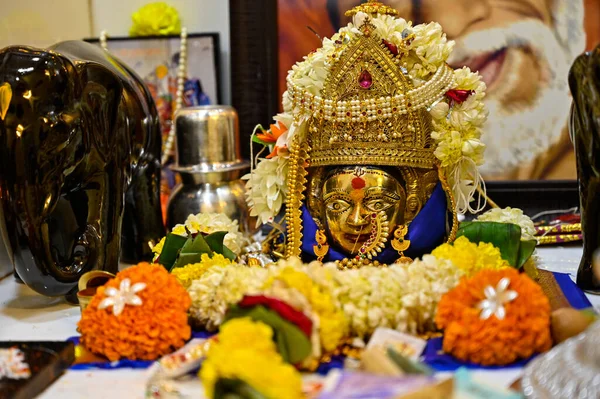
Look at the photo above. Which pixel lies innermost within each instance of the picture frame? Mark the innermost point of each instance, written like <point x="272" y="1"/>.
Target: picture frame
<point x="259" y="45"/>
<point x="156" y="60"/>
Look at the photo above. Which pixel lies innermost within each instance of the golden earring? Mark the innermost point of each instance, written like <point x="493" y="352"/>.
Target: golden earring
<point x="400" y="244"/>
<point x="322" y="247"/>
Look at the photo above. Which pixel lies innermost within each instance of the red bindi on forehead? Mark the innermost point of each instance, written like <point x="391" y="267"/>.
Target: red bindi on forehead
<point x="358" y="183"/>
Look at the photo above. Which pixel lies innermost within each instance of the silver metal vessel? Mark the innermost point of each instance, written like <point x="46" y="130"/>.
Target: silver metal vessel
<point x="209" y="162"/>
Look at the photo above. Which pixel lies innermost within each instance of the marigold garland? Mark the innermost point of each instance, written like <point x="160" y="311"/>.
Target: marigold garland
<point x="245" y="350"/>
<point x="525" y="329"/>
<point x="185" y="275"/>
<point x="470" y="257"/>
<point x="155" y="328"/>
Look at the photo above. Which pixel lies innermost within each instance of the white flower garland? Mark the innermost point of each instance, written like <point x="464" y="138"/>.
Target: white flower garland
<point x="221" y="287"/>
<point x="457" y="125"/>
<point x="403" y="297"/>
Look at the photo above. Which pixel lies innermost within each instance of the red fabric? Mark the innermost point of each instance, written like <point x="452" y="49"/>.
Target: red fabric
<point x="284" y="310"/>
<point x="458" y="96"/>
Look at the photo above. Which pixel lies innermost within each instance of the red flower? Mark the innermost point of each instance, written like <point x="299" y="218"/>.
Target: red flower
<point x="284" y="310"/>
<point x="391" y="46"/>
<point x="459" y="96"/>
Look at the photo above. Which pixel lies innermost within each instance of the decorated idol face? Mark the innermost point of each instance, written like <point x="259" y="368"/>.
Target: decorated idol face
<point x="359" y="202"/>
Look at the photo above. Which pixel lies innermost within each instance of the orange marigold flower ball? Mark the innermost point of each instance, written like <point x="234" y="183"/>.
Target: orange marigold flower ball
<point x="155" y="328"/>
<point x="525" y="329"/>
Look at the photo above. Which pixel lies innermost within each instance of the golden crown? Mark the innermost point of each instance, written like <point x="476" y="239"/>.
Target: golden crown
<point x="368" y="111"/>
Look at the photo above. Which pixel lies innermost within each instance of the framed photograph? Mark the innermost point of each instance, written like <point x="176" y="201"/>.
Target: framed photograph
<point x="523" y="52"/>
<point x="156" y="60"/>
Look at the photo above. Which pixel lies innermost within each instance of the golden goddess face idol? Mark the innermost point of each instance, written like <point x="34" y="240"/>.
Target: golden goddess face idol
<point x="378" y="146"/>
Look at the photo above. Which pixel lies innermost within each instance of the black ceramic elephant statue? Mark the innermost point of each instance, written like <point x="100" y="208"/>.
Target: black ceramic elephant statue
<point x="79" y="164"/>
<point x="584" y="127"/>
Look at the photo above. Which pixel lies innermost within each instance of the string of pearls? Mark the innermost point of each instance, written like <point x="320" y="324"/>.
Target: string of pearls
<point x="371" y="109"/>
<point x="181" y="76"/>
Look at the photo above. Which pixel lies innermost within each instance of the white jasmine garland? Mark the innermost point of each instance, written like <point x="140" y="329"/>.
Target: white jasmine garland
<point x="221" y="287"/>
<point x="457" y="132"/>
<point x="266" y="188"/>
<point x="403" y="296"/>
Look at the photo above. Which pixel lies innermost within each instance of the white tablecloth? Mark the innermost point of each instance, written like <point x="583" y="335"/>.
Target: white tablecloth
<point x="25" y="315"/>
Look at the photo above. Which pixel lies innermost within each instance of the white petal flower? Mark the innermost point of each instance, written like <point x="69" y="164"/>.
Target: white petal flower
<point x="221" y="287"/>
<point x="496" y="299"/>
<point x="440" y="110"/>
<point x="125" y="295"/>
<point x="267" y="188"/>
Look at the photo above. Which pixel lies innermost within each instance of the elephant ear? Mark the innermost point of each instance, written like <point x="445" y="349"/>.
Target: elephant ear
<point x="102" y="91"/>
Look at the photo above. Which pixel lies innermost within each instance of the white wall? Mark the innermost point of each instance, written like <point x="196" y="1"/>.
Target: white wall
<point x="41" y="23"/>
<point x="197" y="16"/>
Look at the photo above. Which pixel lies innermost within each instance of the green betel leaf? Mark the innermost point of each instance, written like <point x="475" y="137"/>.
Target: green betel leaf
<point x="504" y="236"/>
<point x="197" y="246"/>
<point x="187" y="259"/>
<point x="215" y="241"/>
<point x="171" y="249"/>
<point x="228" y="253"/>
<point x="525" y="251"/>
<point x="233" y="388"/>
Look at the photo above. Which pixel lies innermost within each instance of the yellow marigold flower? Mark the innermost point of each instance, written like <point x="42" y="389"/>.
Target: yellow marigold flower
<point x="157" y="249"/>
<point x="470" y="257"/>
<point x="245" y="350"/>
<point x="332" y="323"/>
<point x="179" y="230"/>
<point x="185" y="275"/>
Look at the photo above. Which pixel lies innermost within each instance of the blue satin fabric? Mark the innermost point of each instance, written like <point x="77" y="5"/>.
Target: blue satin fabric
<point x="572" y="292"/>
<point x="425" y="232"/>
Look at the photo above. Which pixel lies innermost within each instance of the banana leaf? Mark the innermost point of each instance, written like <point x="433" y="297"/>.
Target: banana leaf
<point x="171" y="250"/>
<point x="504" y="236"/>
<point x="197" y="245"/>
<point x="292" y="344"/>
<point x="233" y="388"/>
<point x="180" y="251"/>
<point x="215" y="242"/>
